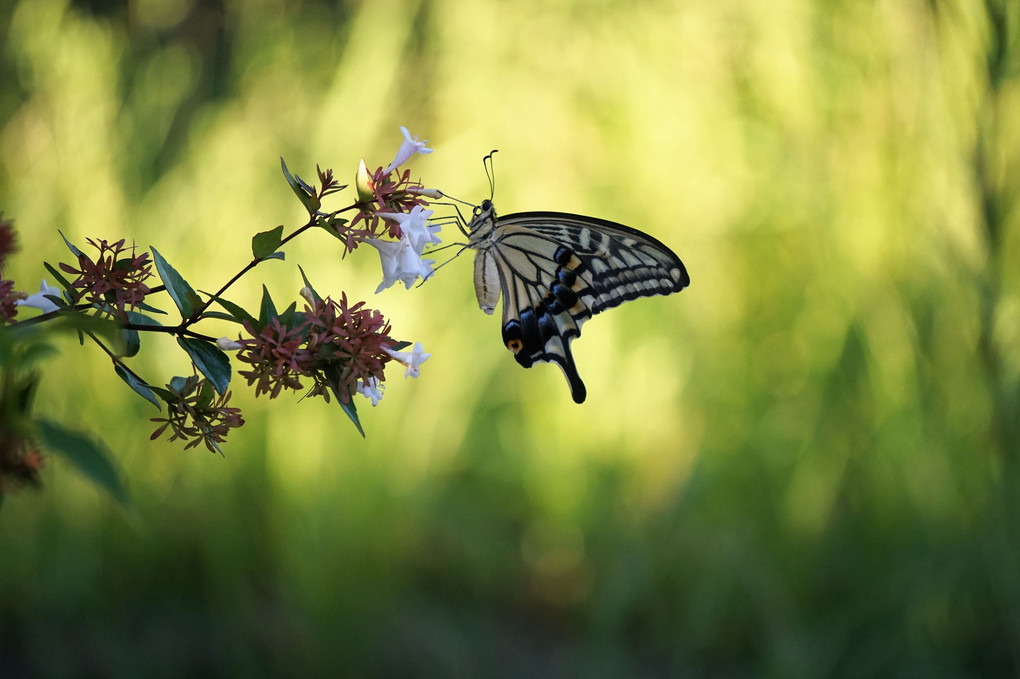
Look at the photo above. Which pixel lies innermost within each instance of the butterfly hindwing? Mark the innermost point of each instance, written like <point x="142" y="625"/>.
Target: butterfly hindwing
<point x="556" y="270"/>
<point x="542" y="310"/>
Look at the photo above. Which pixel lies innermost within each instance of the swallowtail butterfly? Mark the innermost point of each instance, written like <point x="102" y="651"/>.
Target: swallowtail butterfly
<point x="555" y="271"/>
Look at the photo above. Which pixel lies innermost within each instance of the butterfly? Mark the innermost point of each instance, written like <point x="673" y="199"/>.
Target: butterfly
<point x="555" y="271"/>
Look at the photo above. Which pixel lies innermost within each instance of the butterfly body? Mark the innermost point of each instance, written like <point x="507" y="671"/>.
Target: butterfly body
<point x="555" y="270"/>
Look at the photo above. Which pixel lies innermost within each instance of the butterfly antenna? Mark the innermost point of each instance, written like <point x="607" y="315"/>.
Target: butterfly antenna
<point x="490" y="172"/>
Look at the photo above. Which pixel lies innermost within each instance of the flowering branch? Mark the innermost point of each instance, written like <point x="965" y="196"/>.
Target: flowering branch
<point x="333" y="347"/>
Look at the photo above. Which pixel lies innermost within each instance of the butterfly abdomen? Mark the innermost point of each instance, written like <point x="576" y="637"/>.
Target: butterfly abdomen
<point x="487" y="285"/>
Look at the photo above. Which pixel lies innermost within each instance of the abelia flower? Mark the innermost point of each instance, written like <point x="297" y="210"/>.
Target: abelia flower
<point x="372" y="388"/>
<point x="415" y="226"/>
<point x="400" y="262"/>
<point x="40" y="300"/>
<point x="393" y="193"/>
<point x="408" y="148"/>
<point x="412" y="359"/>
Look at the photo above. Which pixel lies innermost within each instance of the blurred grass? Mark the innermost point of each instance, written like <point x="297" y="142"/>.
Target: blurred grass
<point x="804" y="465"/>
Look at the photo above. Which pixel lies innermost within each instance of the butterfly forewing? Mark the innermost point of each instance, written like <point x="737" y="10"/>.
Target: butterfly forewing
<point x="556" y="270"/>
<point x="625" y="263"/>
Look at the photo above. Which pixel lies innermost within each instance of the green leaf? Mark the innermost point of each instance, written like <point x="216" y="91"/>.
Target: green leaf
<point x="209" y="360"/>
<point x="352" y="413"/>
<point x="132" y="342"/>
<point x="308" y="284"/>
<point x="205" y="396"/>
<point x="36" y="352"/>
<point x="182" y="294"/>
<point x="331" y="224"/>
<point x="267" y="311"/>
<point x="140" y="387"/>
<point x="131" y="337"/>
<point x="26" y="391"/>
<point x="88" y="456"/>
<point x="286" y="173"/>
<point x="75" y="251"/>
<point x="236" y="311"/>
<point x="265" y="243"/>
<point x="151" y="309"/>
<point x="221" y="316"/>
<point x="141" y="319"/>
<point x="184" y="385"/>
<point x="279" y="254"/>
<point x="56" y="274"/>
<point x="310" y="201"/>
<point x="332" y="375"/>
<point x="164" y="394"/>
<point x="289" y="317"/>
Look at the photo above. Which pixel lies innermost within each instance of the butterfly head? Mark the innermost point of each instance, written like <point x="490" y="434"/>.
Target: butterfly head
<point x="482" y="221"/>
<point x="485" y="212"/>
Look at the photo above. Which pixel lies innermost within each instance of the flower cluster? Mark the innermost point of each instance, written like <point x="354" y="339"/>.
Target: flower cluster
<point x="196" y="412"/>
<point x="276" y="355"/>
<point x="340" y="347"/>
<point x="387" y="191"/>
<point x="389" y="197"/>
<point x="347" y="344"/>
<point x="112" y="281"/>
<point x="402" y="259"/>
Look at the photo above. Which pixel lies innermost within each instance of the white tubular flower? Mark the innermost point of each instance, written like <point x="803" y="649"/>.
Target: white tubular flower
<point x="372" y="389"/>
<point x="228" y="344"/>
<point x="400" y="262"/>
<point x="408" y="148"/>
<point x="434" y="194"/>
<point x="39" y="301"/>
<point x="415" y="226"/>
<point x="412" y="359"/>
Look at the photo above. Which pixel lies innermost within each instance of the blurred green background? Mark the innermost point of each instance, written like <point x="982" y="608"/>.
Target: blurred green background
<point x="804" y="465"/>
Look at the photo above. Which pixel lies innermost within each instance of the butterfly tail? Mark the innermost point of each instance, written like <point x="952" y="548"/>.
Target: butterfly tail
<point x="577" y="389"/>
<point x="566" y="364"/>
